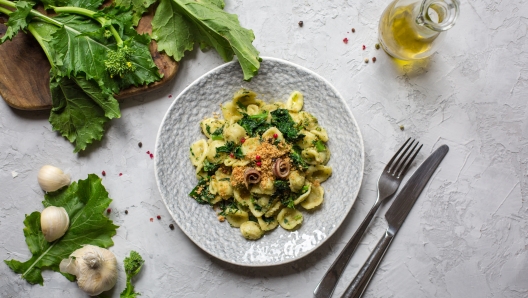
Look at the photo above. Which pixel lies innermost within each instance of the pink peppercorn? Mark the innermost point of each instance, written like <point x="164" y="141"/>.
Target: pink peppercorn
<point x="151" y="219"/>
<point x="231" y="155"/>
<point x="364" y="47"/>
<point x="242" y="140"/>
<point x="108" y="210"/>
<point x="275" y="135"/>
<point x="345" y="40"/>
<point x="103" y="173"/>
<point x="120" y="174"/>
<point x="257" y="157"/>
<point x="259" y="163"/>
<point x="151" y="155"/>
<point x="158" y="217"/>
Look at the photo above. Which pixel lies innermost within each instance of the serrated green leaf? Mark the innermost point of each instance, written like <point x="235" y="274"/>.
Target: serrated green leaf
<point x="18" y="20"/>
<point x="215" y="28"/>
<point x="84" y="201"/>
<point x="88" y="4"/>
<point x="79" y="54"/>
<point x="77" y="117"/>
<point x="172" y="32"/>
<point x="219" y="3"/>
<point x="139" y="7"/>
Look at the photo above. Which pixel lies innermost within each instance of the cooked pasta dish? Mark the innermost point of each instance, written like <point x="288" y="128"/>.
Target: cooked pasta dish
<point x="262" y="164"/>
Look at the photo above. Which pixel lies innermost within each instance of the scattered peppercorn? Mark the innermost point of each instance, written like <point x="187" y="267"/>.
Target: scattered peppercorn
<point x="170" y="95"/>
<point x="158" y="217"/>
<point x="401" y="127"/>
<point x="377" y="46"/>
<point x="151" y="219"/>
<point x="232" y="155"/>
<point x="126" y="211"/>
<point x="364" y="47"/>
<point x="148" y="152"/>
<point x="151" y="156"/>
<point x="259" y="163"/>
<point x="120" y="174"/>
<point x="275" y="135"/>
<point x="171" y="226"/>
<point x="103" y="173"/>
<point x="345" y="40"/>
<point x="140" y="144"/>
<point x="257" y="157"/>
<point x="366" y="60"/>
<point x="301" y="23"/>
<point x="353" y="30"/>
<point x="373" y="59"/>
<point x="242" y="140"/>
<point x="108" y="210"/>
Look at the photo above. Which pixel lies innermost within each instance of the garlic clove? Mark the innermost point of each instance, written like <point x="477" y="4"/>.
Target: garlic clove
<point x="51" y="178"/>
<point x="94" y="267"/>
<point x="54" y="222"/>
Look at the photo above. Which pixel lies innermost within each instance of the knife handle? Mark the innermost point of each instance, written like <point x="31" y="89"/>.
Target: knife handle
<point x="362" y="279"/>
<point x="326" y="286"/>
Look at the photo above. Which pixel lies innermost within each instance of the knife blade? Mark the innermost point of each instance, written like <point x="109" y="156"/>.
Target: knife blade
<point x="404" y="201"/>
<point x="400" y="208"/>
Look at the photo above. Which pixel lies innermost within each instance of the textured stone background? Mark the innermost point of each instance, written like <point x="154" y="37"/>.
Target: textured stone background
<point x="466" y="236"/>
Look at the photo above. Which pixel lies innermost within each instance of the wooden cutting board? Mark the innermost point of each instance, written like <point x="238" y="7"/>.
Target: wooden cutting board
<point x="24" y="70"/>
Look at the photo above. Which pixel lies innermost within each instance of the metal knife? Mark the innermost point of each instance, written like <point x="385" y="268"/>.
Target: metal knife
<point x="395" y="216"/>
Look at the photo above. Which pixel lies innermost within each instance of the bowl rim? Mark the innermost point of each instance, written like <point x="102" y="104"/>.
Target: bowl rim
<point x="355" y="195"/>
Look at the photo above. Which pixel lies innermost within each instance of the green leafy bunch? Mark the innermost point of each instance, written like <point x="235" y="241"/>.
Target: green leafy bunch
<point x="85" y="202"/>
<point x="133" y="264"/>
<point x="94" y="53"/>
<point x="179" y="24"/>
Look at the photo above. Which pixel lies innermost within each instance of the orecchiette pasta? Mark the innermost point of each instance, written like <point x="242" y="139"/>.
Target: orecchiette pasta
<point x="262" y="163"/>
<point x="251" y="230"/>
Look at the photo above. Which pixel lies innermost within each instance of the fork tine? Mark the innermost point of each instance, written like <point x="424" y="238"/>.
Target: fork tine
<point x="410" y="161"/>
<point x="402" y="164"/>
<point x="398" y="164"/>
<point x="387" y="168"/>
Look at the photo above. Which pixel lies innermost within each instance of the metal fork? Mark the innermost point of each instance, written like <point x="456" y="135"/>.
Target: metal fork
<point x="388" y="183"/>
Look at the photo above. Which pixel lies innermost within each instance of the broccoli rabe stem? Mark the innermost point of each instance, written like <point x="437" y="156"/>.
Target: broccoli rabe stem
<point x="39" y="39"/>
<point x="91" y="14"/>
<point x="32" y="13"/>
<point x="5" y="11"/>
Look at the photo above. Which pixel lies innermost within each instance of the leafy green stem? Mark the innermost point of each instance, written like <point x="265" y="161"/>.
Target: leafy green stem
<point x="92" y="15"/>
<point x="39" y="39"/>
<point x="5" y="11"/>
<point x="8" y="3"/>
<point x="45" y="18"/>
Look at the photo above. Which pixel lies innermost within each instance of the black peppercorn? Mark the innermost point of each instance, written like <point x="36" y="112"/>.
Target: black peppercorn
<point x="301" y="23"/>
<point x="171" y="226"/>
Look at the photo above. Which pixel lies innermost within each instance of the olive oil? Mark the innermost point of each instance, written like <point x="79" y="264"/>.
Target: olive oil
<point x="411" y="30"/>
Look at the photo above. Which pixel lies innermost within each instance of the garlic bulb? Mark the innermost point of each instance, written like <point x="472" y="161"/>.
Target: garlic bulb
<point x="54" y="222"/>
<point x="95" y="268"/>
<point x="51" y="178"/>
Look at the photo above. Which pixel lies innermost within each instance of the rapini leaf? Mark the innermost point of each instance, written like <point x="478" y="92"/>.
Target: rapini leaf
<point x="18" y="20"/>
<point x="138" y="6"/>
<point x="211" y="27"/>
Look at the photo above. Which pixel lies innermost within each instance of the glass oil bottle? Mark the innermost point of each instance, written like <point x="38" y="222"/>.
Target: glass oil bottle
<point x="413" y="29"/>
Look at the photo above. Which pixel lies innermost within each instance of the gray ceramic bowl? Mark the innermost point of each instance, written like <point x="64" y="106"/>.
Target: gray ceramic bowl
<point x="175" y="173"/>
